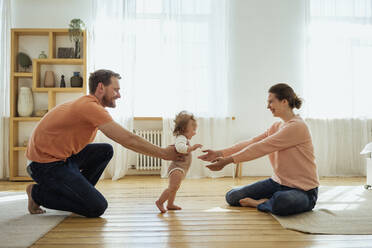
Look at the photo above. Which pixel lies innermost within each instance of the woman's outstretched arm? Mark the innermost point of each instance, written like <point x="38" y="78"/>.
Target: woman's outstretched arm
<point x="212" y="155"/>
<point x="291" y="135"/>
<point x="241" y="145"/>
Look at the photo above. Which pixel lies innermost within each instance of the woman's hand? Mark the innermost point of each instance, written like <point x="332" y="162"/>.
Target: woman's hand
<point x="210" y="156"/>
<point x="220" y="163"/>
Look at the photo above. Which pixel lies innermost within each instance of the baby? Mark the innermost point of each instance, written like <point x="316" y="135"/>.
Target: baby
<point x="184" y="130"/>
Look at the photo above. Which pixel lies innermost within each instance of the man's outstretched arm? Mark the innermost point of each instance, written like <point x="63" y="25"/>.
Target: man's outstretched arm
<point x="136" y="143"/>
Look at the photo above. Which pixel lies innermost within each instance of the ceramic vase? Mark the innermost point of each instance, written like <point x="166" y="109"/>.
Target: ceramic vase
<point x="49" y="79"/>
<point x="42" y="55"/>
<point x="76" y="80"/>
<point x="25" y="102"/>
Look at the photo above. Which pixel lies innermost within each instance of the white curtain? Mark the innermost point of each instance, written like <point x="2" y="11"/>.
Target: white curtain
<point x="112" y="46"/>
<point x="179" y="51"/>
<point x="173" y="53"/>
<point x="5" y="24"/>
<point x="195" y="59"/>
<point x="338" y="83"/>
<point x="338" y="143"/>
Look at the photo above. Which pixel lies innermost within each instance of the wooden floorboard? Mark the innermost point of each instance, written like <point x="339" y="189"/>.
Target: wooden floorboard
<point x="132" y="220"/>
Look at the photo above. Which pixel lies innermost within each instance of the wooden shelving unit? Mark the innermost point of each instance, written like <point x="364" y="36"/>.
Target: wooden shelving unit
<point x="52" y="35"/>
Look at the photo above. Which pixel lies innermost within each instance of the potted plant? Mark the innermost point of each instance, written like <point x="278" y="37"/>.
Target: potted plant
<point x="75" y="32"/>
<point x="24" y="61"/>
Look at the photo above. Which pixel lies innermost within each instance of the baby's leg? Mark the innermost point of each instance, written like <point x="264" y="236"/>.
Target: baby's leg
<point x="163" y="197"/>
<point x="175" y="179"/>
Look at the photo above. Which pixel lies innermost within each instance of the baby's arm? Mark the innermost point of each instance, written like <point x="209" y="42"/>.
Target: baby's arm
<point x="194" y="147"/>
<point x="181" y="144"/>
<point x="182" y="147"/>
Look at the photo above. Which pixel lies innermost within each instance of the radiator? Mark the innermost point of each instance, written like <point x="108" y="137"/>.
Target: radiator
<point x="145" y="162"/>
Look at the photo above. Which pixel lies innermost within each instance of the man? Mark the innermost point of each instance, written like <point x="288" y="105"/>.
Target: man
<point x="64" y="165"/>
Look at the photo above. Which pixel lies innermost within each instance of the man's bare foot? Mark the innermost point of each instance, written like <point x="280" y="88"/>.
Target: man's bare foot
<point x="160" y="206"/>
<point x="173" y="207"/>
<point x="33" y="208"/>
<point x="249" y="202"/>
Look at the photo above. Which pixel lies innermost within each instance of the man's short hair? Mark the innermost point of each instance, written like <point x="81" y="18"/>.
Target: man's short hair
<point x="101" y="76"/>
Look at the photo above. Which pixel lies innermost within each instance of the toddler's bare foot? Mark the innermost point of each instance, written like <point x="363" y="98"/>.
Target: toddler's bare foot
<point x="173" y="207"/>
<point x="33" y="208"/>
<point x="249" y="202"/>
<point x="160" y="206"/>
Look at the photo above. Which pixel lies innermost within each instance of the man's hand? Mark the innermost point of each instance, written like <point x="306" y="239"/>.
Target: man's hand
<point x="220" y="163"/>
<point x="210" y="156"/>
<point x="170" y="153"/>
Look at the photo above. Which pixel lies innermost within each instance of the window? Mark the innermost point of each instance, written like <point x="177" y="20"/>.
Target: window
<point x="339" y="49"/>
<point x="172" y="51"/>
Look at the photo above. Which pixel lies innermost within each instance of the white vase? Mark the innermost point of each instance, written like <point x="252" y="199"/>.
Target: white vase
<point x="25" y="102"/>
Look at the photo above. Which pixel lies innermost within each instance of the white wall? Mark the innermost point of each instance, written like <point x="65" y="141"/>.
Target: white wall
<point x="49" y="13"/>
<point x="266" y="47"/>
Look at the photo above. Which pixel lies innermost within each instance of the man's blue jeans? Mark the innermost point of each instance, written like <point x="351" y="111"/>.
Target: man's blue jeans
<point x="282" y="201"/>
<point x="69" y="185"/>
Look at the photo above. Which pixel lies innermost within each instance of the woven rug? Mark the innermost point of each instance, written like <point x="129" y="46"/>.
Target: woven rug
<point x="339" y="210"/>
<point x="18" y="228"/>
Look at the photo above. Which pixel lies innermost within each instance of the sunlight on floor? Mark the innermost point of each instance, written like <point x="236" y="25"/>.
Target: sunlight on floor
<point x="12" y="197"/>
<point x="218" y="209"/>
<point x="336" y="199"/>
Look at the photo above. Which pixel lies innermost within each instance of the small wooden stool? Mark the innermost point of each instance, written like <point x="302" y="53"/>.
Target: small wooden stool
<point x="238" y="170"/>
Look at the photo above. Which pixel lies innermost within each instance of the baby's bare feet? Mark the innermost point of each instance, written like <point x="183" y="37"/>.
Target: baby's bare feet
<point x="33" y="208"/>
<point x="173" y="207"/>
<point x="160" y="206"/>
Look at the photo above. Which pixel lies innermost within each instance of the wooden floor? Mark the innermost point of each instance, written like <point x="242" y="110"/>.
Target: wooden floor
<point x="132" y="220"/>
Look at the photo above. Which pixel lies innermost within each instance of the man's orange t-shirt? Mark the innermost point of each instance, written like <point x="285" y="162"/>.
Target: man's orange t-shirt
<point x="66" y="130"/>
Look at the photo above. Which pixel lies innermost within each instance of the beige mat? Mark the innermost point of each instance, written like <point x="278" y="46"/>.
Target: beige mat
<point x="339" y="210"/>
<point x="17" y="227"/>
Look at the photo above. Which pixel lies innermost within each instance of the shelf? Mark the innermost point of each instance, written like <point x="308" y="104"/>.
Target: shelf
<point x="141" y="118"/>
<point x="34" y="40"/>
<point x="40" y="31"/>
<point x="62" y="32"/>
<point x="55" y="89"/>
<point x="20" y="148"/>
<point x="23" y="74"/>
<point x="19" y="178"/>
<point x="26" y="118"/>
<point x="60" y="61"/>
<point x="31" y="32"/>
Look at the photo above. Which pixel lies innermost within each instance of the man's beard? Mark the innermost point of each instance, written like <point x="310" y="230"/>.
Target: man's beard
<point x="108" y="102"/>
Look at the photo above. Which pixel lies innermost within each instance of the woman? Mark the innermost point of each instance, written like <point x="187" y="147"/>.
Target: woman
<point x="293" y="188"/>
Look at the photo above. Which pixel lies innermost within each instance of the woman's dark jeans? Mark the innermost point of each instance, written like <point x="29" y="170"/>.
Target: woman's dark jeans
<point x="282" y="201"/>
